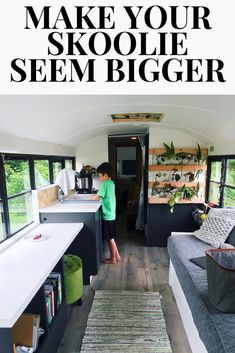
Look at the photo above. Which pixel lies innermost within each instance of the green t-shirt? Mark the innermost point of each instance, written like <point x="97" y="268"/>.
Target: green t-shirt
<point x="108" y="200"/>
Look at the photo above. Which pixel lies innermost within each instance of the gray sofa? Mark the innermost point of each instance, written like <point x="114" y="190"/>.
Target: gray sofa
<point x="216" y="329"/>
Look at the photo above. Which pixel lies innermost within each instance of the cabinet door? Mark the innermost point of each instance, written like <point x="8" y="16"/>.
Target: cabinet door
<point x="98" y="238"/>
<point x="161" y="222"/>
<point x="6" y="340"/>
<point x="88" y="244"/>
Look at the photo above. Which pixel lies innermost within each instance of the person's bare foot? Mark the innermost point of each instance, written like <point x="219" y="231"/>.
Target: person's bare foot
<point x="110" y="261"/>
<point x="118" y="258"/>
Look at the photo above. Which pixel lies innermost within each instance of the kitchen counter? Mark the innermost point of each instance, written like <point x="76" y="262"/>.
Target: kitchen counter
<point x="25" y="265"/>
<point x="72" y="206"/>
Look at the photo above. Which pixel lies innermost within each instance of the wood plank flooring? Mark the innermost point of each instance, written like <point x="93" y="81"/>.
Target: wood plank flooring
<point x="141" y="268"/>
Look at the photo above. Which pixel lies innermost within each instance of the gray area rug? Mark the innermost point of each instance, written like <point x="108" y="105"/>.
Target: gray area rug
<point x="126" y="321"/>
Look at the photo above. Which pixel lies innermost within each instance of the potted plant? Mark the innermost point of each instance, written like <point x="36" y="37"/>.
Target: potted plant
<point x="169" y="152"/>
<point x="184" y="192"/>
<point x="199" y="157"/>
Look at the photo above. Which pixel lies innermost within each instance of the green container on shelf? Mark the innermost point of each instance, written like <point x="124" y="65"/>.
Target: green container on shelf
<point x="73" y="278"/>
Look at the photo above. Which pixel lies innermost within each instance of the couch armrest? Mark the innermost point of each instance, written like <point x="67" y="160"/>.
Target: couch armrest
<point x="177" y="233"/>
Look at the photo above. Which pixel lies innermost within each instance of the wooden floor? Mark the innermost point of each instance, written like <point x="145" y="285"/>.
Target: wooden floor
<point x="141" y="268"/>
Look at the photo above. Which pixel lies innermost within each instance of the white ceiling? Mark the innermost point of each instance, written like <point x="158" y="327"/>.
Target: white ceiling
<point x="69" y="120"/>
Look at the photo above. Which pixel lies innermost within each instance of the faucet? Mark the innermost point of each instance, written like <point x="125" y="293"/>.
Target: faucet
<point x="61" y="195"/>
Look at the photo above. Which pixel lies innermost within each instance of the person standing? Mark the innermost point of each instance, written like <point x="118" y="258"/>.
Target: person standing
<point x="107" y="196"/>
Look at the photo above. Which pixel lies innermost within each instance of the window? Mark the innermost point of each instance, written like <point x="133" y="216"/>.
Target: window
<point x="57" y="167"/>
<point x="42" y="175"/>
<point x="229" y="189"/>
<point x="18" y="194"/>
<point x="2" y="236"/>
<point x="215" y="179"/>
<point x="69" y="164"/>
<point x="19" y="175"/>
<point x="221" y="180"/>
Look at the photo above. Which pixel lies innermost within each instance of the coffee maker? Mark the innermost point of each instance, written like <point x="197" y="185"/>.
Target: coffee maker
<point x="83" y="181"/>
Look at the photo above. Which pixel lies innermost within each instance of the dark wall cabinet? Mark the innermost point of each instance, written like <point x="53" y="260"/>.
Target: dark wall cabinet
<point x="89" y="245"/>
<point x="161" y="222"/>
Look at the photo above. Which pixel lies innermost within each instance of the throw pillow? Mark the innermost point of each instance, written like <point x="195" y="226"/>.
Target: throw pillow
<point x="222" y="212"/>
<point x="225" y="212"/>
<point x="215" y="230"/>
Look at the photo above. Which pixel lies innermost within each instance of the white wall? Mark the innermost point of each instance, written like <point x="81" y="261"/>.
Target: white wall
<point x="159" y="135"/>
<point x="95" y="150"/>
<point x="13" y="144"/>
<point x="92" y="152"/>
<point x="223" y="148"/>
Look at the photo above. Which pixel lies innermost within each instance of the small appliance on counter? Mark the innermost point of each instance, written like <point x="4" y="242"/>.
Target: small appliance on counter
<point x="84" y="180"/>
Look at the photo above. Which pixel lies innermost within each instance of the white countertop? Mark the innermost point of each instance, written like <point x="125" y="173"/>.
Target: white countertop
<point x="25" y="265"/>
<point x="72" y="207"/>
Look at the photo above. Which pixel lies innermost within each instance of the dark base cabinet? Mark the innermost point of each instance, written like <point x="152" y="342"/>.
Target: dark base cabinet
<point x="161" y="222"/>
<point x="53" y="332"/>
<point x="88" y="245"/>
<point x="6" y="340"/>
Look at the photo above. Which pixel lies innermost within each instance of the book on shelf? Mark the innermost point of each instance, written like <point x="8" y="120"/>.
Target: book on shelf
<point x="53" y="294"/>
<point x="52" y="285"/>
<point x="26" y="330"/>
<point x="50" y="291"/>
<point x="48" y="308"/>
<point x="56" y="276"/>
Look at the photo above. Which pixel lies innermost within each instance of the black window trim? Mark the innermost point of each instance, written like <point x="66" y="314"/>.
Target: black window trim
<point x="223" y="159"/>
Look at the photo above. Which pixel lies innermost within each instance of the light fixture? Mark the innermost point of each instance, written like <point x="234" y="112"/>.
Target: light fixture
<point x="134" y="138"/>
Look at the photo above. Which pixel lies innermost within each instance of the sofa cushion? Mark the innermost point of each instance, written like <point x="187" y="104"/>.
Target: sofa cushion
<point x="215" y="230"/>
<point x="231" y="237"/>
<point x="199" y="261"/>
<point x="216" y="329"/>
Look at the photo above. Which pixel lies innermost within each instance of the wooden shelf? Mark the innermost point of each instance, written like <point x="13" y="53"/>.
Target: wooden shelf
<point x="177" y="184"/>
<point x="179" y="167"/>
<point x="160" y="151"/>
<point x="164" y="200"/>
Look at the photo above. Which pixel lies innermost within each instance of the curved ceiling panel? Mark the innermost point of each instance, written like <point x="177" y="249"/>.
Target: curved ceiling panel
<point x="69" y="120"/>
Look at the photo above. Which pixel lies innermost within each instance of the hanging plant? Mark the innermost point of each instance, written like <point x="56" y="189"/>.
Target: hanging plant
<point x="184" y="192"/>
<point x="174" y="198"/>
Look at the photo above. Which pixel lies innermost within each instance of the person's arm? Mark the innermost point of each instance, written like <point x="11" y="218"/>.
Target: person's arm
<point x="101" y="193"/>
<point x="95" y="197"/>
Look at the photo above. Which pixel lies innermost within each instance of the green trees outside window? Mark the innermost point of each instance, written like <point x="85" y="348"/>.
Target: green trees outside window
<point x="41" y="170"/>
<point x="215" y="178"/>
<point x="68" y="164"/>
<point x="17" y="176"/>
<point x="20" y="211"/>
<point x="221" y="180"/>
<point x="57" y="167"/>
<point x="230" y="175"/>
<point x="1" y="223"/>
<point x="229" y="193"/>
<point x="18" y="194"/>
